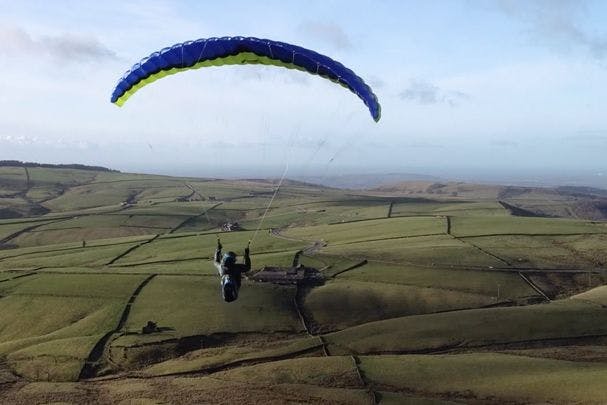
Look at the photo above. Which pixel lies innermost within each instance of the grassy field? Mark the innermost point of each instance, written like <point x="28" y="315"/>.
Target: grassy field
<point x="474" y="328"/>
<point x="363" y="231"/>
<point x="583" y="251"/>
<point x="504" y="225"/>
<point x="430" y="207"/>
<point x="597" y="295"/>
<point x="181" y="247"/>
<point x="220" y="357"/>
<point x="92" y="256"/>
<point x="491" y="377"/>
<point x="428" y="251"/>
<point x="340" y="304"/>
<point x="192" y="306"/>
<point x="420" y="293"/>
<point x="498" y="285"/>
<point x="56" y="319"/>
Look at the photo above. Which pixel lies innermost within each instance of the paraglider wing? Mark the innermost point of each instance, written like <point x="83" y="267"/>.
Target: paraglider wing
<point x="239" y="51"/>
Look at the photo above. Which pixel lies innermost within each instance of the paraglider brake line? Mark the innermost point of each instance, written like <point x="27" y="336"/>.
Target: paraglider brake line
<point x="284" y="174"/>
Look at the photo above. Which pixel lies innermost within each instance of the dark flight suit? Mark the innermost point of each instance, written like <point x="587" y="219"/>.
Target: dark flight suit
<point x="234" y="270"/>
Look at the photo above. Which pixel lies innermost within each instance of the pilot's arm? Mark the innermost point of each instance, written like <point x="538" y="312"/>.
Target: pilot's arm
<point x="247" y="259"/>
<point x="217" y="259"/>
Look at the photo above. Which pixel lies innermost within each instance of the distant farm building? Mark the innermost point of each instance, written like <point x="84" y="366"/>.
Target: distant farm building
<point x="231" y="227"/>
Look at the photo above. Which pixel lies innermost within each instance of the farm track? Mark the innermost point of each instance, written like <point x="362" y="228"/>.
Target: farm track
<point x="534" y="286"/>
<point x="92" y="362"/>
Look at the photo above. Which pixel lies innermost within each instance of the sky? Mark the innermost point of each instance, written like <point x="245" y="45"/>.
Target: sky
<point x="465" y="86"/>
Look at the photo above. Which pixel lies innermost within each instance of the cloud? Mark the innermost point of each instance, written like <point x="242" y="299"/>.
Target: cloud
<point x="70" y="47"/>
<point x="38" y="141"/>
<point x="376" y="82"/>
<point x="425" y="93"/>
<point x="330" y="33"/>
<point x="556" y="23"/>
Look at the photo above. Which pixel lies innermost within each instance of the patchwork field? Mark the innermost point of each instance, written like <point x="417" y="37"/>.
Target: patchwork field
<point x="419" y="293"/>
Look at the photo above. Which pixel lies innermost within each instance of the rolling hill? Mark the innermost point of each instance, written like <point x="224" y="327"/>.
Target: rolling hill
<point x="419" y="292"/>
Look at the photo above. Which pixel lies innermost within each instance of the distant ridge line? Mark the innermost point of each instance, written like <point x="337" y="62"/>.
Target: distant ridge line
<point x="77" y="166"/>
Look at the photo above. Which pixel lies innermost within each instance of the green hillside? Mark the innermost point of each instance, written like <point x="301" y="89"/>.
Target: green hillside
<point x="408" y="297"/>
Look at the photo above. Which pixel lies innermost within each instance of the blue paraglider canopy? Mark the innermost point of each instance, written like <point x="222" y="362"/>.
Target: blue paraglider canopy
<point x="236" y="51"/>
